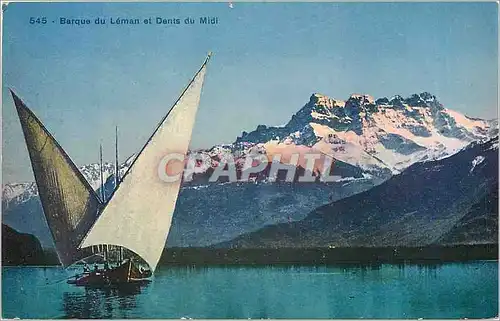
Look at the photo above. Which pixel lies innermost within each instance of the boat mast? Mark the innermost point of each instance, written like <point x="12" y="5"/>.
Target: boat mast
<point x="117" y="180"/>
<point x="103" y="193"/>
<point x="104" y="248"/>
<point x="117" y="170"/>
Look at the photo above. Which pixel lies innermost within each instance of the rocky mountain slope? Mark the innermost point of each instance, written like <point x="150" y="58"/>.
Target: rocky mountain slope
<point x="447" y="201"/>
<point x="479" y="225"/>
<point x="20" y="249"/>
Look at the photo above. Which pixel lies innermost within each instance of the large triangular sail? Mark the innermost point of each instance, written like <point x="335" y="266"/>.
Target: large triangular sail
<point x="139" y="213"/>
<point x="69" y="202"/>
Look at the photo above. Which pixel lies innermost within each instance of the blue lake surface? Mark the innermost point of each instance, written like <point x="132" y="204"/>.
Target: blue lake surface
<point x="455" y="290"/>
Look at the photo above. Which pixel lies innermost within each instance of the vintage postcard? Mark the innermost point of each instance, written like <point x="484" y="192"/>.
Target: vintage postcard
<point x="249" y="160"/>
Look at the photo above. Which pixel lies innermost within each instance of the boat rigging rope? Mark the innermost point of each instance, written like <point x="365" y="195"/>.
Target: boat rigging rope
<point x="59" y="281"/>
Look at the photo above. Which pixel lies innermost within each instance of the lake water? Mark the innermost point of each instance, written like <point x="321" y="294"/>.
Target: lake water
<point x="458" y="290"/>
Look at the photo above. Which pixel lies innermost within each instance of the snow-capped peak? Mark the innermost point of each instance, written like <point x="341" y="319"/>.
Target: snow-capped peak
<point x="322" y="100"/>
<point x="18" y="192"/>
<point x="394" y="131"/>
<point x="364" y="99"/>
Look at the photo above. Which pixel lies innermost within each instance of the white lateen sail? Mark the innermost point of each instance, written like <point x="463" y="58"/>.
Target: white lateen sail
<point x="139" y="213"/>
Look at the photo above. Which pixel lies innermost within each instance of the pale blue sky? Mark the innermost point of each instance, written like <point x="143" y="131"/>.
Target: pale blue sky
<point x="268" y="59"/>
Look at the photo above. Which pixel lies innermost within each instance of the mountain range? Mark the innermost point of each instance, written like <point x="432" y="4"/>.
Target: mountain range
<point x="448" y="201"/>
<point x="372" y="141"/>
<point x="376" y="134"/>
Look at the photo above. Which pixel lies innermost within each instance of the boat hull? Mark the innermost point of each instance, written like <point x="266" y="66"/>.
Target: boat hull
<point x="126" y="273"/>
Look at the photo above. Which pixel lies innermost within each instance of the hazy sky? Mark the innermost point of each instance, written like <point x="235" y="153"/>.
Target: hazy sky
<point x="268" y="59"/>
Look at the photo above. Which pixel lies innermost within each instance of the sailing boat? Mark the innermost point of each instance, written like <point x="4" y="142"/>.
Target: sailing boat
<point x="137" y="215"/>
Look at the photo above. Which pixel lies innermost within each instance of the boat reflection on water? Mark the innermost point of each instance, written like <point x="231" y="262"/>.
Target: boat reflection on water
<point x="384" y="291"/>
<point x="114" y="301"/>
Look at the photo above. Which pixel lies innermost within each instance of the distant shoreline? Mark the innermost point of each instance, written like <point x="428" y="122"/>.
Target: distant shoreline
<point x="318" y="256"/>
<point x="329" y="256"/>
